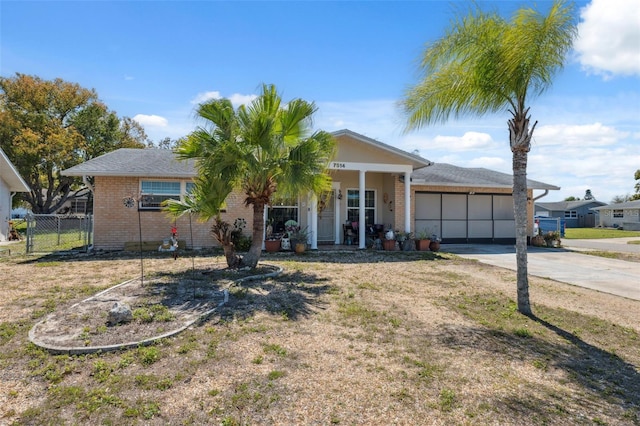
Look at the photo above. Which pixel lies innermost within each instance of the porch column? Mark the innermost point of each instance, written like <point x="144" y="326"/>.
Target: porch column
<point x="361" y="217"/>
<point x="264" y="228"/>
<point x="407" y="202"/>
<point x="314" y="221"/>
<point x="337" y="209"/>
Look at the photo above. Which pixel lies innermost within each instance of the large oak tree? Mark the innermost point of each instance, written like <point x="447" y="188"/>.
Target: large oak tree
<point x="48" y="126"/>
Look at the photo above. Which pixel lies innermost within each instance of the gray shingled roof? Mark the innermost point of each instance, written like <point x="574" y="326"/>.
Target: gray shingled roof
<point x="620" y="206"/>
<point x="135" y="162"/>
<point x="449" y="175"/>
<point x="163" y="163"/>
<point x="568" y="205"/>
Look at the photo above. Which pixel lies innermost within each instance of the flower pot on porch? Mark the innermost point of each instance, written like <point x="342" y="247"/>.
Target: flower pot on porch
<point x="408" y="245"/>
<point x="389" y="245"/>
<point x="434" y="245"/>
<point x="423" y="245"/>
<point x="272" y="246"/>
<point x="300" y="247"/>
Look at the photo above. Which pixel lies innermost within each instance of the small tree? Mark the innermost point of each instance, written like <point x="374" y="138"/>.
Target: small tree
<point x="485" y="64"/>
<point x="258" y="149"/>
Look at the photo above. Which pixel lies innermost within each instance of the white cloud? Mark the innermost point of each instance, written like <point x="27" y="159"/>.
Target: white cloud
<point x="493" y="163"/>
<point x="467" y="142"/>
<point x="205" y="96"/>
<point x="151" y="120"/>
<point x="236" y="99"/>
<point x="128" y="77"/>
<point x="609" y="37"/>
<point x="582" y="136"/>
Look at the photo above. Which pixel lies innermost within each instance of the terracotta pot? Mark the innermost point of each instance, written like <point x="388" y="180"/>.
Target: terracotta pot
<point x="389" y="245"/>
<point x="423" y="245"/>
<point x="272" y="246"/>
<point x="300" y="247"/>
<point x="538" y="241"/>
<point x="434" y="245"/>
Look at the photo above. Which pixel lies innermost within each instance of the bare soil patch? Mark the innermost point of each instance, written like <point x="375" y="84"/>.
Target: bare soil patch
<point x="162" y="304"/>
<point x="362" y="338"/>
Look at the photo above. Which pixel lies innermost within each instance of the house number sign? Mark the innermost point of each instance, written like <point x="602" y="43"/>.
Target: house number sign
<point x="336" y="165"/>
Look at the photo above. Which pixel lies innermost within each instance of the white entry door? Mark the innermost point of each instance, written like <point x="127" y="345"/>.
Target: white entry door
<point x="326" y="219"/>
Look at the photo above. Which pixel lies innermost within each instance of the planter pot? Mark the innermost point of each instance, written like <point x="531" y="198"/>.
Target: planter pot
<point x="538" y="241"/>
<point x="300" y="247"/>
<point x="389" y="245"/>
<point x="272" y="246"/>
<point x="408" y="245"/>
<point x="422" y="245"/>
<point x="434" y="245"/>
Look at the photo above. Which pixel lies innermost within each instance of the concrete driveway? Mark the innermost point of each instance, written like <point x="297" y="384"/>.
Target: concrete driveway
<point x="612" y="276"/>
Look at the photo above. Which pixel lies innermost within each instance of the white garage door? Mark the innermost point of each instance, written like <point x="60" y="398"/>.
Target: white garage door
<point x="460" y="218"/>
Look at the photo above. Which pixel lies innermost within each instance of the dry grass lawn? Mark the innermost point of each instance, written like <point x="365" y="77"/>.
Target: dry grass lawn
<point x="357" y="338"/>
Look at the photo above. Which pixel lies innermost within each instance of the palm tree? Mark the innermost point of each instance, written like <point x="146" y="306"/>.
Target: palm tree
<point x="485" y="64"/>
<point x="259" y="149"/>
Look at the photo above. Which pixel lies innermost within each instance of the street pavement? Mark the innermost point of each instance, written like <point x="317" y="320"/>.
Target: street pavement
<point x="567" y="264"/>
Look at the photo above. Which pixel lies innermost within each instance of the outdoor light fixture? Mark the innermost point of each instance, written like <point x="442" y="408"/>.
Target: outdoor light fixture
<point x="339" y="194"/>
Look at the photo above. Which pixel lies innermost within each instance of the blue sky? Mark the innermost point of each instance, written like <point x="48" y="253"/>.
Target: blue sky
<point x="155" y="60"/>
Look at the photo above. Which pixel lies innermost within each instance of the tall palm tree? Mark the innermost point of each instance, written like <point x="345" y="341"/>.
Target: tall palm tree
<point x="259" y="148"/>
<point x="486" y="64"/>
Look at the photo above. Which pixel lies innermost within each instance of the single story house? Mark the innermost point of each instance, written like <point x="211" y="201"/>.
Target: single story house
<point x="374" y="184"/>
<point x="10" y="183"/>
<point x="576" y="214"/>
<point x="620" y="215"/>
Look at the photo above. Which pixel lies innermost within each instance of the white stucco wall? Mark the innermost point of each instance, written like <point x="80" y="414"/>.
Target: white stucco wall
<point x="5" y="210"/>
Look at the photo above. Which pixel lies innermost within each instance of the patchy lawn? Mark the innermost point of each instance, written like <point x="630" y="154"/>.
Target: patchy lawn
<point x="598" y="233"/>
<point x="339" y="338"/>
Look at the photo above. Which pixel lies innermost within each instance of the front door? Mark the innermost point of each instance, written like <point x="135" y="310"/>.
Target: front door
<point x="326" y="219"/>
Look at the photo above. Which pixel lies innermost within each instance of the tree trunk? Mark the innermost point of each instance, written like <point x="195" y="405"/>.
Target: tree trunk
<point x="520" y="212"/>
<point x="233" y="260"/>
<point x="255" y="251"/>
<point x="520" y="141"/>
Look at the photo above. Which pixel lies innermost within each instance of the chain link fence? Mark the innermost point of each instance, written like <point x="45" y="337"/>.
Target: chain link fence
<point x="50" y="232"/>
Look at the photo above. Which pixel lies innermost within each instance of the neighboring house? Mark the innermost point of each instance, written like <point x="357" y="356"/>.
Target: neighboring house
<point x="77" y="204"/>
<point x="576" y="214"/>
<point x="10" y="183"/>
<point x="621" y="215"/>
<point x="373" y="184"/>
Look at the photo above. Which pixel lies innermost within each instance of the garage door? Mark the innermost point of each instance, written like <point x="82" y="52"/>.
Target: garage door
<point x="458" y="218"/>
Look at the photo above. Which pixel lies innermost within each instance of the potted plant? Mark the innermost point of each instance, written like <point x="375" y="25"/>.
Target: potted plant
<point x="434" y="245"/>
<point x="538" y="240"/>
<point x="552" y="238"/>
<point x="405" y="240"/>
<point x="271" y="241"/>
<point x="389" y="242"/>
<point x="422" y="240"/>
<point x="299" y="238"/>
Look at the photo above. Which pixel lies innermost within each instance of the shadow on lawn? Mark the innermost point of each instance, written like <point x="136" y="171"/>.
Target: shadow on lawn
<point x="603" y="375"/>
<point x="335" y="256"/>
<point x="291" y="294"/>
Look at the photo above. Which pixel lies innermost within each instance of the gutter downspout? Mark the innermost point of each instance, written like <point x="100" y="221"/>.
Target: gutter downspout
<point x="546" y="192"/>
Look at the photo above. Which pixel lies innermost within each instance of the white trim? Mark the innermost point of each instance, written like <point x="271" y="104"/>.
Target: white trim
<point x="370" y="167"/>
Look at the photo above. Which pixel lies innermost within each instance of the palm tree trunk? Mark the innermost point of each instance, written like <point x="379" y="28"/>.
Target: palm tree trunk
<point x="253" y="255"/>
<point x="520" y="141"/>
<point x="520" y="213"/>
